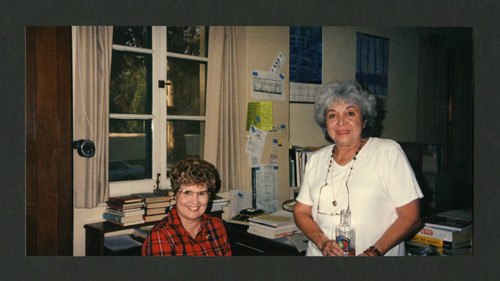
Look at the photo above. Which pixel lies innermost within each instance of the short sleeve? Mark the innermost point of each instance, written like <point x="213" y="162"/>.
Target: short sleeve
<point x="305" y="193"/>
<point x="400" y="180"/>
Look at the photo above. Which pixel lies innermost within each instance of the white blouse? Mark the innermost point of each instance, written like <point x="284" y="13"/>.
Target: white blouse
<point x="381" y="181"/>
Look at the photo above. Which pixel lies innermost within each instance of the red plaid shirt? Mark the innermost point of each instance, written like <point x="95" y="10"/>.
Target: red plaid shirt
<point x="169" y="238"/>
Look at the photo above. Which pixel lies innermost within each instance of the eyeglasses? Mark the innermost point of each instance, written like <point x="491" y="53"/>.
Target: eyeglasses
<point x="200" y="194"/>
<point x="326" y="184"/>
<point x="319" y="202"/>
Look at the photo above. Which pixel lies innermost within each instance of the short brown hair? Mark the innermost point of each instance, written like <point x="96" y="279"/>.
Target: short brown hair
<point x="195" y="171"/>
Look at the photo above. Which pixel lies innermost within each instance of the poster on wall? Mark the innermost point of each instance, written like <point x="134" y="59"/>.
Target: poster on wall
<point x="268" y="85"/>
<point x="372" y="61"/>
<point x="305" y="63"/>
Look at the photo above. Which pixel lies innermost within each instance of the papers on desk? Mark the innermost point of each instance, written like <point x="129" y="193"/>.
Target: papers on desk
<point x="274" y="225"/>
<point x="120" y="242"/>
<point x="275" y="219"/>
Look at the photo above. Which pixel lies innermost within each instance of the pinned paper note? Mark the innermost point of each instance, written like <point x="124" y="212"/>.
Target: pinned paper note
<point x="265" y="187"/>
<point x="255" y="145"/>
<point x="278" y="63"/>
<point x="260" y="115"/>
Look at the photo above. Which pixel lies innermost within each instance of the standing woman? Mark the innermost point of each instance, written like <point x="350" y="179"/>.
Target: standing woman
<point x="187" y="230"/>
<point x="369" y="176"/>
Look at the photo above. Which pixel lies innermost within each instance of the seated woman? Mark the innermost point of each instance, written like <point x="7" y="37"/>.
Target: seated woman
<point x="187" y="230"/>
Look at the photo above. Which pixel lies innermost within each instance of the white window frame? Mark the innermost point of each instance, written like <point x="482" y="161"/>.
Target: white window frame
<point x="158" y="117"/>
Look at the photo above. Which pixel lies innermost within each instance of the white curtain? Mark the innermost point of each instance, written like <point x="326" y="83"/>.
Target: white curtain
<point x="222" y="143"/>
<point x="91" y="76"/>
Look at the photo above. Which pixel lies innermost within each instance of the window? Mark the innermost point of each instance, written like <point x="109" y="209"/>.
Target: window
<point x="157" y="103"/>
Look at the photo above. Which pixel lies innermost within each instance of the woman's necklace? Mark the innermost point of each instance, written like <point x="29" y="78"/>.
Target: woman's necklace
<point x="334" y="149"/>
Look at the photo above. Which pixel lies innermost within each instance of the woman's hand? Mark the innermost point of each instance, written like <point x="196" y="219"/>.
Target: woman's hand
<point x="331" y="248"/>
<point x="303" y="219"/>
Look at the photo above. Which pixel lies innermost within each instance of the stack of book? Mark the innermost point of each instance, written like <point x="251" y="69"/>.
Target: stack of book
<point x="124" y="210"/>
<point x="155" y="205"/>
<point x="449" y="230"/>
<point x="274" y="225"/>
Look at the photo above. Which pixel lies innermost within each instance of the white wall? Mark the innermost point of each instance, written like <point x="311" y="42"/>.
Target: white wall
<point x="258" y="47"/>
<point x="82" y="217"/>
<point x="339" y="63"/>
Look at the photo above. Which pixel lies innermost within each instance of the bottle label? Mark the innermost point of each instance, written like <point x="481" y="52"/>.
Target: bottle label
<point x="344" y="243"/>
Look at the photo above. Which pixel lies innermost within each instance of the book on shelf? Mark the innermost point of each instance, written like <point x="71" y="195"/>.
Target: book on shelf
<point x="126" y="206"/>
<point x="150" y="197"/>
<point x="153" y="217"/>
<point x="155" y="211"/>
<point x="125" y="213"/>
<point x="275" y="219"/>
<point x="117" y="218"/>
<point x="298" y="157"/>
<point x="126" y="223"/>
<point x="163" y="204"/>
<point x="125" y="199"/>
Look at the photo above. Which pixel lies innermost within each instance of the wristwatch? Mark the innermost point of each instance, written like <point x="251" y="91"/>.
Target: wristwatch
<point x="375" y="250"/>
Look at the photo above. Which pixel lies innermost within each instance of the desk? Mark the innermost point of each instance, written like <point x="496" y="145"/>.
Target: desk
<point x="242" y="242"/>
<point x="95" y="232"/>
<point x="94" y="236"/>
<point x="247" y="244"/>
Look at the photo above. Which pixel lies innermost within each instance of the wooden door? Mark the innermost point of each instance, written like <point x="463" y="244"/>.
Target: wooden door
<point x="49" y="164"/>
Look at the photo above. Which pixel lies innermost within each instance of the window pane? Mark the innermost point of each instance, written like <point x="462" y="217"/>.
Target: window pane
<point x="187" y="40"/>
<point x="184" y="139"/>
<point x="186" y="89"/>
<point x="130" y="85"/>
<point x="130" y="150"/>
<point x="132" y="36"/>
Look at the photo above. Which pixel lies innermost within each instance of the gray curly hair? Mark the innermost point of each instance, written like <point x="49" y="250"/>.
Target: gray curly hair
<point x="350" y="92"/>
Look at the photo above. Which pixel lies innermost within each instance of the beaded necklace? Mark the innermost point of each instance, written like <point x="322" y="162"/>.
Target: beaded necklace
<point x="334" y="149"/>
